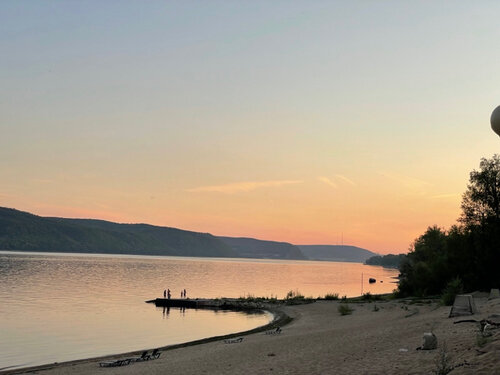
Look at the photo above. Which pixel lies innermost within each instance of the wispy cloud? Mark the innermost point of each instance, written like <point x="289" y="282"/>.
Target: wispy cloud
<point x="327" y="181"/>
<point x="239" y="187"/>
<point x="338" y="179"/>
<point x="345" y="179"/>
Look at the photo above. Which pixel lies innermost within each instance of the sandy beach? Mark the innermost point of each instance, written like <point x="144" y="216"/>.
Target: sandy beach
<point x="372" y="340"/>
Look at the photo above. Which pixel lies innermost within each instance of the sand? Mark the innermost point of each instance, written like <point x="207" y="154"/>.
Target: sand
<point x="321" y="341"/>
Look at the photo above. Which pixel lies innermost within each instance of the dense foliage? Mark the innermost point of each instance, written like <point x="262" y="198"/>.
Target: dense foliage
<point x="481" y="201"/>
<point x="466" y="256"/>
<point x="389" y="260"/>
<point x="23" y="231"/>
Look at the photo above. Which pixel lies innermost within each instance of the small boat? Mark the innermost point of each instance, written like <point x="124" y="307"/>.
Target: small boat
<point x="371" y="280"/>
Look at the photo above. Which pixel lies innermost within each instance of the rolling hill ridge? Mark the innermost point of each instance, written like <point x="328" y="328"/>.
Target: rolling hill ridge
<point x="23" y="231"/>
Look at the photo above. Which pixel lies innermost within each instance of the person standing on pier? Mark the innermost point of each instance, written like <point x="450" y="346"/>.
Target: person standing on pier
<point x="184" y="293"/>
<point x="168" y="293"/>
<point x="165" y="293"/>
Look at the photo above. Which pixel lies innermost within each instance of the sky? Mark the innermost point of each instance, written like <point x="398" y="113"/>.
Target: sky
<point x="310" y="122"/>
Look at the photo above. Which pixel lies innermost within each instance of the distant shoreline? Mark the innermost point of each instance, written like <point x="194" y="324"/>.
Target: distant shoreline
<point x="229" y="259"/>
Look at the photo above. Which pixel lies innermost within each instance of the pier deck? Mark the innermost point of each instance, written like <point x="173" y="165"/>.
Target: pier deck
<point x="183" y="302"/>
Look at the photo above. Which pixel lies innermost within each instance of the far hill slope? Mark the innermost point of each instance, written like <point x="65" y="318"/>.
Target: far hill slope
<point x="336" y="253"/>
<point x="253" y="248"/>
<point x="23" y="231"/>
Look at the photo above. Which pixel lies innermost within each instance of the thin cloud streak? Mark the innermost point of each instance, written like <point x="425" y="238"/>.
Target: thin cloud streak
<point x="327" y="181"/>
<point x="239" y="187"/>
<point x="345" y="179"/>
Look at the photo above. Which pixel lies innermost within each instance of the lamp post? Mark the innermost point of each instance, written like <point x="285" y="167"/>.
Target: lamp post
<point x="495" y="120"/>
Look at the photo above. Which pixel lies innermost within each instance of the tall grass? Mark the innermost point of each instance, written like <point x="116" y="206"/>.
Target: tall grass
<point x="332" y="296"/>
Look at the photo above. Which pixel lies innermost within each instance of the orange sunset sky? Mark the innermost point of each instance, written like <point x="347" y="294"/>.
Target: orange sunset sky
<point x="298" y="121"/>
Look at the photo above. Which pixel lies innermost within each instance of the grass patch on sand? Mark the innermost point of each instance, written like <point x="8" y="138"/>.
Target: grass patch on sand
<point x="294" y="297"/>
<point x="252" y="298"/>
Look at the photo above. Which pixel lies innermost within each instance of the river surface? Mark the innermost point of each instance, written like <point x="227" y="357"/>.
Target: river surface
<point x="57" y="307"/>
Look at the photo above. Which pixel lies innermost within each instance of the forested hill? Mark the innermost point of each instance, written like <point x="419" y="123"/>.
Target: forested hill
<point x="253" y="248"/>
<point x="336" y="253"/>
<point x="24" y="231"/>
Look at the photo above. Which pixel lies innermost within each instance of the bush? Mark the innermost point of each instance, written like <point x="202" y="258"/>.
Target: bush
<point x="443" y="362"/>
<point x="453" y="288"/>
<point x="481" y="340"/>
<point x="294" y="294"/>
<point x="344" y="309"/>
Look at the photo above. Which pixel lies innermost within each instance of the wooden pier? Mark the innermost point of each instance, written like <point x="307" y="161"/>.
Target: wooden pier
<point x="183" y="302"/>
<point x="207" y="303"/>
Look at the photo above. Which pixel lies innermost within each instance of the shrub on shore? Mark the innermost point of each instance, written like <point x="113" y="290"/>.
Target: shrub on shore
<point x="344" y="309"/>
<point x="294" y="294"/>
<point x="453" y="288"/>
<point x="252" y="298"/>
<point x="442" y="363"/>
<point x="332" y="296"/>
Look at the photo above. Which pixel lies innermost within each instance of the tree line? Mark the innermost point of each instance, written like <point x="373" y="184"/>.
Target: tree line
<point x="389" y="260"/>
<point x="465" y="257"/>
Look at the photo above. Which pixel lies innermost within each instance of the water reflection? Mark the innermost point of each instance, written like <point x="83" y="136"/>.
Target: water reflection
<point x="80" y="304"/>
<point x="166" y="312"/>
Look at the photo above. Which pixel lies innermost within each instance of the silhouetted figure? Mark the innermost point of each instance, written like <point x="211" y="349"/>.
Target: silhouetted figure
<point x="184" y="293"/>
<point x="165" y="293"/>
<point x="168" y="293"/>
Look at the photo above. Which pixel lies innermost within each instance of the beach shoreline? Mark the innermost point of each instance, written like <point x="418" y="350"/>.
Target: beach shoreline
<point x="280" y="319"/>
<point x="379" y="337"/>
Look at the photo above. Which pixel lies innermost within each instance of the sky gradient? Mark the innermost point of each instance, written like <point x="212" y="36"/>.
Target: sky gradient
<point x="292" y="121"/>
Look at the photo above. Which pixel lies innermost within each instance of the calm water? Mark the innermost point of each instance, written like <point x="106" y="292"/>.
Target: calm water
<point x="59" y="307"/>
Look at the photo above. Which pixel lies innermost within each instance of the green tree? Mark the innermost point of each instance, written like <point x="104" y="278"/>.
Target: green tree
<point x="481" y="201"/>
<point x="425" y="270"/>
<point x="466" y="254"/>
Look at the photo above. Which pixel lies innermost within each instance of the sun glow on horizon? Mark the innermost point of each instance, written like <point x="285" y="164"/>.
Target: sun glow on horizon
<point x="250" y="119"/>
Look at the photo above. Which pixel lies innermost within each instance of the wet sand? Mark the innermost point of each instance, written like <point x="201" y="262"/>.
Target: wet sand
<point x="381" y="340"/>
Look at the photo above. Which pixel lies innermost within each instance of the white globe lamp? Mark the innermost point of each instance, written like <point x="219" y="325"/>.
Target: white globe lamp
<point x="495" y="120"/>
